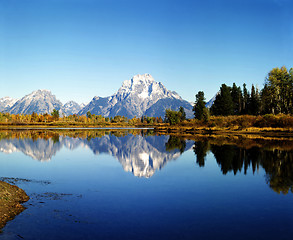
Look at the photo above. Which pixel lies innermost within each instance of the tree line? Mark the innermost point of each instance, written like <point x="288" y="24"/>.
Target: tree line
<point x="276" y="97"/>
<point x="75" y="119"/>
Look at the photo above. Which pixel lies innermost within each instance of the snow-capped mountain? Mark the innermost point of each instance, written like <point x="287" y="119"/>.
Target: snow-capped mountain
<point x="141" y="95"/>
<point x="6" y="103"/>
<point x="40" y="101"/>
<point x="82" y="105"/>
<point x="71" y="108"/>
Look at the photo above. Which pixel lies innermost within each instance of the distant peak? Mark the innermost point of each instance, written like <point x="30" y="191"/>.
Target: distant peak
<point x="137" y="79"/>
<point x="6" y="98"/>
<point x="70" y="102"/>
<point x="143" y="77"/>
<point x="41" y="91"/>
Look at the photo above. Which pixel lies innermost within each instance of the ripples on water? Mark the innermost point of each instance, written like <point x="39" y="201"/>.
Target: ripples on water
<point x="136" y="185"/>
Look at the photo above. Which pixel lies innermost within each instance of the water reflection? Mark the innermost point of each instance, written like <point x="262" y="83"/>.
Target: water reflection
<point x="138" y="152"/>
<point x="277" y="163"/>
<point x="143" y="152"/>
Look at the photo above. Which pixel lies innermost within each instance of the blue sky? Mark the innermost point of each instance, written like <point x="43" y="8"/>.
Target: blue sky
<point x="79" y="49"/>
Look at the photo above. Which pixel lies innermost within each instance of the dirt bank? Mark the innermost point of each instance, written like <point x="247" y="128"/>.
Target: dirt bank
<point x="11" y="198"/>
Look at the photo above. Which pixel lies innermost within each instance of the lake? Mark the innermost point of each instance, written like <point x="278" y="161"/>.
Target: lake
<point x="133" y="184"/>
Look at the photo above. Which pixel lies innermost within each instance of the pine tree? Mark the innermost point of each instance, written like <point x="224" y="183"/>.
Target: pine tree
<point x="245" y="100"/>
<point x="199" y="106"/>
<point x="183" y="114"/>
<point x="253" y="103"/>
<point x="223" y="104"/>
<point x="237" y="99"/>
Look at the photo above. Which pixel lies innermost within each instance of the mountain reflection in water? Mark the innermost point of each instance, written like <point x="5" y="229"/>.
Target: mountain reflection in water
<point x="143" y="153"/>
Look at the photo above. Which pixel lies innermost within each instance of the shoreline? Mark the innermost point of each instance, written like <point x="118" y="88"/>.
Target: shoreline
<point x="191" y="131"/>
<point x="159" y="128"/>
<point x="11" y="198"/>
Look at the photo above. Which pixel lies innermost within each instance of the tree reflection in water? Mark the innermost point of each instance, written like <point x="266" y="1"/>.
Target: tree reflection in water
<point x="277" y="163"/>
<point x="175" y="143"/>
<point x="143" y="152"/>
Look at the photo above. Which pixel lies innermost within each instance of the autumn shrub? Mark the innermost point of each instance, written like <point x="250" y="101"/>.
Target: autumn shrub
<point x="284" y="120"/>
<point x="246" y="121"/>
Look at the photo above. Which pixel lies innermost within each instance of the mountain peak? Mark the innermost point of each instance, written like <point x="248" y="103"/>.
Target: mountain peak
<point x="39" y="101"/>
<point x="41" y="91"/>
<point x="6" y="103"/>
<point x="70" y="108"/>
<point x="136" y="97"/>
<point x="143" y="78"/>
<point x="6" y="99"/>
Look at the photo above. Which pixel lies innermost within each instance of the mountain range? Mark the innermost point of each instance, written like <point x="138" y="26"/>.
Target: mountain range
<point x="139" y="96"/>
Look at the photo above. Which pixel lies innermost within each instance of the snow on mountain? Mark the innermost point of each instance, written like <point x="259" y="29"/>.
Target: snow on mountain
<point x="70" y="108"/>
<point x="135" y="97"/>
<point x="40" y="101"/>
<point x="141" y="95"/>
<point x="6" y="103"/>
<point x="83" y="105"/>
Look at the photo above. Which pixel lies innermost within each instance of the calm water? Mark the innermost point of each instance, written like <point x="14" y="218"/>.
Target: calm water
<point x="103" y="185"/>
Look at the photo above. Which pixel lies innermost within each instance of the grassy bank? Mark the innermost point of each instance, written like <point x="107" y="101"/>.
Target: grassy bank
<point x="244" y="124"/>
<point x="11" y="198"/>
<point x="61" y="124"/>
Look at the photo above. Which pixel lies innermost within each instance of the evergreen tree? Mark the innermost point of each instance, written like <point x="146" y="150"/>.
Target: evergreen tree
<point x="245" y="100"/>
<point x="236" y="95"/>
<point x="199" y="106"/>
<point x="183" y="114"/>
<point x="254" y="102"/>
<point x="265" y="100"/>
<point x="290" y="91"/>
<point x="223" y="104"/>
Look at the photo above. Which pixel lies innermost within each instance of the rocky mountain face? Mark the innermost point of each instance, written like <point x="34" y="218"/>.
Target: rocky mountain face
<point x="211" y="101"/>
<point x="40" y="101"/>
<point x="70" y="108"/>
<point x="139" y="96"/>
<point x="6" y="103"/>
